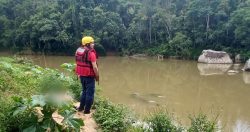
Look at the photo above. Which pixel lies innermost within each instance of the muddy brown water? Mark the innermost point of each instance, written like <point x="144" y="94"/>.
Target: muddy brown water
<point x="182" y="87"/>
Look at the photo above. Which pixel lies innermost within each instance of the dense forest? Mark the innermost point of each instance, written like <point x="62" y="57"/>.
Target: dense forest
<point x="170" y="27"/>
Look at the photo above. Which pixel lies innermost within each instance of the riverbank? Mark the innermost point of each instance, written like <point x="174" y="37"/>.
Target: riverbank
<point x="23" y="87"/>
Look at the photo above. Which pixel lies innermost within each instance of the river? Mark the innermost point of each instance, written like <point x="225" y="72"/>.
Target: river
<point x="182" y="87"/>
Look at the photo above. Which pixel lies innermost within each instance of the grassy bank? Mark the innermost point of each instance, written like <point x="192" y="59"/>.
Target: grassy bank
<point x="29" y="97"/>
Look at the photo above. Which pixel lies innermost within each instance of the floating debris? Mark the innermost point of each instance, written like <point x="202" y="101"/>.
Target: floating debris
<point x="151" y="101"/>
<point x="157" y="95"/>
<point x="232" y="72"/>
<point x="142" y="99"/>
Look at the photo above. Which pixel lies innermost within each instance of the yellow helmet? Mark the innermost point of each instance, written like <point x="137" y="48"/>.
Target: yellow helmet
<point x="87" y="40"/>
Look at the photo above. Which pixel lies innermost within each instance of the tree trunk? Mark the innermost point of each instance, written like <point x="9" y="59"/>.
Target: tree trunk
<point x="167" y="27"/>
<point x="207" y="29"/>
<point x="150" y="30"/>
<point x="208" y="20"/>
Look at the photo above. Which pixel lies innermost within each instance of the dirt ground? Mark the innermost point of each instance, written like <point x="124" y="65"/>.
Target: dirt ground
<point x="89" y="122"/>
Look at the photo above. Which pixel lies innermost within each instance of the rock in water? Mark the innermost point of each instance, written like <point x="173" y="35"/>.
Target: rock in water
<point x="238" y="58"/>
<point x="214" y="57"/>
<point x="246" y="77"/>
<point x="247" y="66"/>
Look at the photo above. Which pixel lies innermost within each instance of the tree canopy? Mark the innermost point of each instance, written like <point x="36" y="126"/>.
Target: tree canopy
<point x="170" y="27"/>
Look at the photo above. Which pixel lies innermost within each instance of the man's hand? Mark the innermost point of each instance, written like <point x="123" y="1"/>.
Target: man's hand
<point x="95" y="68"/>
<point x="97" y="79"/>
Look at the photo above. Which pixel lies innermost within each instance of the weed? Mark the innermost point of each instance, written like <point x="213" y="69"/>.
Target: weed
<point x="111" y="117"/>
<point x="201" y="123"/>
<point x="162" y="122"/>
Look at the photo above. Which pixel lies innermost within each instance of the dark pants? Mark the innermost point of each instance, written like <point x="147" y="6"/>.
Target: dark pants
<point x="88" y="90"/>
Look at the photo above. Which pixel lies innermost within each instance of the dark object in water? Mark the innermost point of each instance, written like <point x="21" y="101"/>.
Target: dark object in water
<point x="142" y="99"/>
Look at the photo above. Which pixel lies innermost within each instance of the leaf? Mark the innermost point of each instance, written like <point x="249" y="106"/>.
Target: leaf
<point x="19" y="110"/>
<point x="68" y="66"/>
<point x="30" y="129"/>
<point x="38" y="100"/>
<point x="16" y="98"/>
<point x="77" y="123"/>
<point x="48" y="123"/>
<point x="70" y="121"/>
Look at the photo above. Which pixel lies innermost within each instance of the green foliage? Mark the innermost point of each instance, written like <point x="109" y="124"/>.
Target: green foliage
<point x="162" y="122"/>
<point x="111" y="117"/>
<point x="69" y="66"/>
<point x="5" y="118"/>
<point x="201" y="123"/>
<point x="172" y="28"/>
<point x="76" y="88"/>
<point x="41" y="108"/>
<point x="180" y="45"/>
<point x="6" y="82"/>
<point x="21" y="78"/>
<point x="100" y="50"/>
<point x="16" y="79"/>
<point x="136" y="129"/>
<point x="240" y="22"/>
<point x="52" y="83"/>
<point x="245" y="54"/>
<point x="7" y="121"/>
<point x="74" y="84"/>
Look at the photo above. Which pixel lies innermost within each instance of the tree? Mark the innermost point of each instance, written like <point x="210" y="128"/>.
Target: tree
<point x="240" y="22"/>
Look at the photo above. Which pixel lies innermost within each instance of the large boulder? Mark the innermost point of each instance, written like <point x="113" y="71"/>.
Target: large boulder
<point x="214" y="57"/>
<point x="247" y="66"/>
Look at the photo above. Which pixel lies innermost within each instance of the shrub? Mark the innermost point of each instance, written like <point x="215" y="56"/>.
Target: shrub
<point x="202" y="124"/>
<point x="7" y="121"/>
<point x="74" y="84"/>
<point x="18" y="77"/>
<point x="111" y="117"/>
<point x="100" y="50"/>
<point x="51" y="83"/>
<point x="162" y="122"/>
<point x="6" y="82"/>
<point x="76" y="88"/>
<point x="136" y="129"/>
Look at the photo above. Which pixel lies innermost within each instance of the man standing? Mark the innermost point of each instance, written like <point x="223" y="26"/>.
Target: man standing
<point x="87" y="71"/>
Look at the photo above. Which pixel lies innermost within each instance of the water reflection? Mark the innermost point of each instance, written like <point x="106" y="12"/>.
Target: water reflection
<point x="246" y="77"/>
<point x="241" y="126"/>
<point x="213" y="69"/>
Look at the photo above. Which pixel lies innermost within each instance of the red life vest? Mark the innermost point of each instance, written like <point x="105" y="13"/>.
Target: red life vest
<point x="83" y="64"/>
